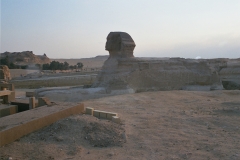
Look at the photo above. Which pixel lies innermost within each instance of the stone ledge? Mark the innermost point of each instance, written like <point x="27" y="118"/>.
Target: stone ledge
<point x="17" y="125"/>
<point x="89" y="111"/>
<point x="115" y="119"/>
<point x="6" y="110"/>
<point x="102" y="114"/>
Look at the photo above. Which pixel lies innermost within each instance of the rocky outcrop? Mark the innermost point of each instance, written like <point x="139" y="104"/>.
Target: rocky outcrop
<point x="4" y="73"/>
<point x="123" y="71"/>
<point x="120" y="45"/>
<point x="230" y="75"/>
<point x="25" y="58"/>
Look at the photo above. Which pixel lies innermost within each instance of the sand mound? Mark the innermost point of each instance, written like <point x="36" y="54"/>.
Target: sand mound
<point x="103" y="134"/>
<point x="68" y="137"/>
<point x="81" y="129"/>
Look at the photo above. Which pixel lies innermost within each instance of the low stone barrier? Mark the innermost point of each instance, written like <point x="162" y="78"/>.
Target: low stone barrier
<point x="103" y="114"/>
<point x="17" y="125"/>
<point x="6" y="110"/>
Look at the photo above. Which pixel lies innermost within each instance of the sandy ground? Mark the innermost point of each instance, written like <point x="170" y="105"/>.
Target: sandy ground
<point x="155" y="125"/>
<point x="89" y="63"/>
<point x="18" y="72"/>
<point x="95" y="62"/>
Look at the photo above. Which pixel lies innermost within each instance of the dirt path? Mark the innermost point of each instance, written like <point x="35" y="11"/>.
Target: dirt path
<point x="155" y="125"/>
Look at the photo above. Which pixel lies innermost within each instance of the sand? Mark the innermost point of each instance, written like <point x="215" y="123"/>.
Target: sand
<point x="94" y="62"/>
<point x="154" y="125"/>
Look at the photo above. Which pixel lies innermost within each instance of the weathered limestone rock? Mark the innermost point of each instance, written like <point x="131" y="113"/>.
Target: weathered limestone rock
<point x="230" y="75"/>
<point x="89" y="111"/>
<point x="120" y="45"/>
<point x="4" y="73"/>
<point x="42" y="101"/>
<point x="124" y="72"/>
<point x="25" y="58"/>
<point x="6" y="110"/>
<point x="17" y="125"/>
<point x="143" y="75"/>
<point x="116" y="119"/>
<point x="32" y="103"/>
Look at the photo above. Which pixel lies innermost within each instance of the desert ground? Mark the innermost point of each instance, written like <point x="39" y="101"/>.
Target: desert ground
<point x="34" y="78"/>
<point x="94" y="62"/>
<point x="154" y="125"/>
<point x="176" y="124"/>
<point x="89" y="64"/>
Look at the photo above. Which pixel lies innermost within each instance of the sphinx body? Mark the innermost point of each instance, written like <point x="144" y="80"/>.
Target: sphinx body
<point x="123" y="71"/>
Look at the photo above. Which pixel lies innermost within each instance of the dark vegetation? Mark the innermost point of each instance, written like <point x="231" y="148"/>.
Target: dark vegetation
<point x="55" y="65"/>
<point x="11" y="65"/>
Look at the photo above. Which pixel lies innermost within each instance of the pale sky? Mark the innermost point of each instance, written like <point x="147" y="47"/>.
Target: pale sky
<point x="160" y="28"/>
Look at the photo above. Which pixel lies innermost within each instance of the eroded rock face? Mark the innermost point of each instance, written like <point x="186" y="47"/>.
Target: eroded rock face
<point x="230" y="75"/>
<point x="25" y="58"/>
<point x="121" y="71"/>
<point x="120" y="45"/>
<point x="159" y="74"/>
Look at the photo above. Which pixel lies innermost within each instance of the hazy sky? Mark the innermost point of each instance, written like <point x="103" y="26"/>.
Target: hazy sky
<point x="160" y="28"/>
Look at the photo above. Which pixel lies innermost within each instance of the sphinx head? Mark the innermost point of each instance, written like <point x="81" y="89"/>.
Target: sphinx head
<point x="120" y="45"/>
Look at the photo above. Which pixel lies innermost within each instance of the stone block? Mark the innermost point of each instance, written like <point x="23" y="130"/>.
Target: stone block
<point x="42" y="101"/>
<point x="9" y="86"/>
<point x="11" y="97"/>
<point x="8" y="96"/>
<point x="115" y="119"/>
<point x="81" y="107"/>
<point x="30" y="94"/>
<point x="89" y="111"/>
<point x="96" y="113"/>
<point x="23" y="105"/>
<point x="5" y="93"/>
<point x="6" y="110"/>
<point x="31" y="102"/>
<point x="103" y="114"/>
<point x="33" y="120"/>
<point x="110" y="115"/>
